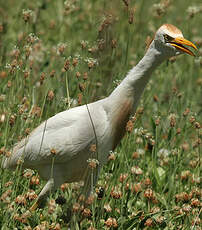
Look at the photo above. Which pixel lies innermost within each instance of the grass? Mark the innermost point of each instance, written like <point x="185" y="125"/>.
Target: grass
<point x="56" y="55"/>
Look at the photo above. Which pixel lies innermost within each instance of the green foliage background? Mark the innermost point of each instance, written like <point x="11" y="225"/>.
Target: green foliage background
<point x="103" y="40"/>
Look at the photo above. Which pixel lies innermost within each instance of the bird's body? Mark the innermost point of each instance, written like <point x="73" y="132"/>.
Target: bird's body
<point x="70" y="134"/>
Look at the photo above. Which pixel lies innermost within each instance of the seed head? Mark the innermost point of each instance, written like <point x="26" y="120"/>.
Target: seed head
<point x="92" y="163"/>
<point x="148" y="222"/>
<point x="149" y="194"/>
<point x="52" y="73"/>
<point x="78" y="74"/>
<point x="86" y="212"/>
<point x="27" y="14"/>
<point x="107" y="207"/>
<point x="50" y="95"/>
<point x="53" y="152"/>
<point x="3" y="74"/>
<point x="21" y="199"/>
<point x="80" y="96"/>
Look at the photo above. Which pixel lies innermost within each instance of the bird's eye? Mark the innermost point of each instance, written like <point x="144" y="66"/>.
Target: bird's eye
<point x="167" y="38"/>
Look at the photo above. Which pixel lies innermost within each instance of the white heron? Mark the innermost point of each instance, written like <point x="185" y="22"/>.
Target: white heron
<point x="71" y="134"/>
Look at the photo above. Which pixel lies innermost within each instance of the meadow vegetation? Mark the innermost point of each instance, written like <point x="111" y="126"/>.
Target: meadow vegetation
<point x="55" y="55"/>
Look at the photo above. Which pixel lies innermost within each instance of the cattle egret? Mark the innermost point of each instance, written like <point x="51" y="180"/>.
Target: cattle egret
<point x="61" y="147"/>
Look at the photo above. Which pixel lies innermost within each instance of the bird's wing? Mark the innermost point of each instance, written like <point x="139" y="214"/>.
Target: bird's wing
<point x="66" y="134"/>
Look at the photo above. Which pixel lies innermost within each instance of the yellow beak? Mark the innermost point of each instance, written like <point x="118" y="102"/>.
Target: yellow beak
<point x="179" y="42"/>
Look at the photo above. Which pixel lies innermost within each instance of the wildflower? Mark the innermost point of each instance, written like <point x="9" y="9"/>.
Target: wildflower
<point x="91" y="62"/>
<point x="66" y="65"/>
<point x="9" y="84"/>
<point x="78" y="74"/>
<point x="31" y="195"/>
<point x="129" y="126"/>
<point x="51" y="206"/>
<point x="135" y="155"/>
<point x="136" y="170"/>
<point x="186" y="112"/>
<point x="123" y="177"/>
<point x="160" y="219"/>
<point x="148" y="193"/>
<point x="136" y="188"/>
<point x="61" y="48"/>
<point x="195" y="202"/>
<point x="113" y="43"/>
<point x="197" y="125"/>
<point x="185" y="146"/>
<point x="34" y="180"/>
<point x="81" y="87"/>
<point x="5" y="197"/>
<point x="7" y="184"/>
<point x="27" y="173"/>
<point x="196" y="221"/>
<point x="141" y="152"/>
<point x="155" y="97"/>
<point x="111" y="222"/>
<point x="157" y="121"/>
<point x="116" y="193"/>
<point x="50" y="95"/>
<point x="85" y="76"/>
<point x="185" y="174"/>
<point x="193" y="163"/>
<point x="196" y="179"/>
<point x="52" y="73"/>
<point x="3" y="74"/>
<point x="197" y="143"/>
<point x="75" y="62"/>
<point x="131" y="17"/>
<point x="21" y="199"/>
<point x="147" y="182"/>
<point x="107" y="207"/>
<point x="182" y="197"/>
<point x="2" y="118"/>
<point x="84" y="44"/>
<point x="42" y="78"/>
<point x="93" y="163"/>
<point x="12" y="120"/>
<point x="90" y="199"/>
<point x="178" y="131"/>
<point x="76" y="207"/>
<point x="26" y="74"/>
<point x="100" y="192"/>
<point x="86" y="212"/>
<point x="112" y="156"/>
<point x="193" y="10"/>
<point x="64" y="186"/>
<point x="53" y="152"/>
<point x="80" y="96"/>
<point x="172" y="118"/>
<point x="27" y="14"/>
<point x="155" y="209"/>
<point x="148" y="222"/>
<point x="163" y="153"/>
<point x="192" y="119"/>
<point x="36" y="111"/>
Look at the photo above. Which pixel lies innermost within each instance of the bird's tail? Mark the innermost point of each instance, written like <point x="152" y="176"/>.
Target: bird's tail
<point x="12" y="161"/>
<point x="17" y="155"/>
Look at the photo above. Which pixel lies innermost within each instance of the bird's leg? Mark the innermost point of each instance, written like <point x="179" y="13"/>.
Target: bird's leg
<point x="43" y="194"/>
<point x="90" y="181"/>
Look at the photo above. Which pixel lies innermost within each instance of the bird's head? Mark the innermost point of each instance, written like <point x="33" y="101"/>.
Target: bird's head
<point x="170" y="41"/>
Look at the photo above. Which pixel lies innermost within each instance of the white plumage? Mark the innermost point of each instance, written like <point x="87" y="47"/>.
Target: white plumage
<point x="72" y="133"/>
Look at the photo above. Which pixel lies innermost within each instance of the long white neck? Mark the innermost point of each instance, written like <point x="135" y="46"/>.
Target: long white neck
<point x="135" y="81"/>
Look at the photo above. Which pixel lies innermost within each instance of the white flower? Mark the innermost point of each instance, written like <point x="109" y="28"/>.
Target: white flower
<point x="162" y="153"/>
